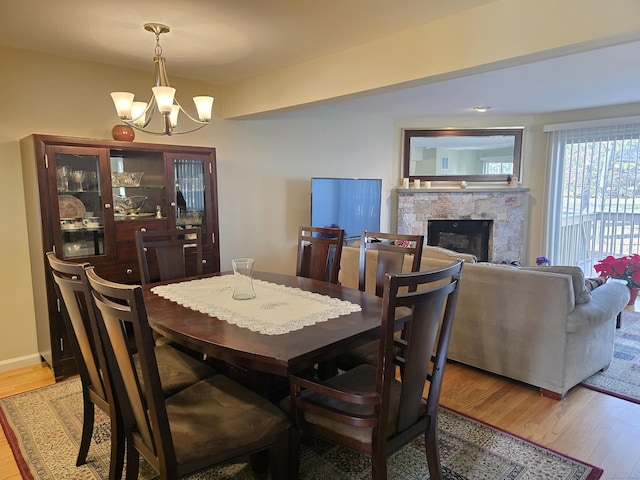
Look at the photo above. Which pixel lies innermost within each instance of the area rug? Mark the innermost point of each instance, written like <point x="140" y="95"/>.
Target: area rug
<point x="622" y="378"/>
<point x="43" y="428"/>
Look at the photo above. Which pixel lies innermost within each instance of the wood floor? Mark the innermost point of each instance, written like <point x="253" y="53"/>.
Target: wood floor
<point x="586" y="425"/>
<point x="11" y="383"/>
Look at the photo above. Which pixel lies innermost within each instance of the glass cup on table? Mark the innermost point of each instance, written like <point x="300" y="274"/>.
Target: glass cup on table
<point x="243" y="278"/>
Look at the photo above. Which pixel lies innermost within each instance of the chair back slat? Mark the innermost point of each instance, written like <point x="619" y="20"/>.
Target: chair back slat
<point x="73" y="289"/>
<point x="388" y="262"/>
<point x="424" y="331"/>
<point x="319" y="253"/>
<point x="122" y="314"/>
<point x="173" y="251"/>
<point x="391" y="249"/>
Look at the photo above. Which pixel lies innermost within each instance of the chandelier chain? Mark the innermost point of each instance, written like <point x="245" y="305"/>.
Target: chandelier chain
<point x="158" y="46"/>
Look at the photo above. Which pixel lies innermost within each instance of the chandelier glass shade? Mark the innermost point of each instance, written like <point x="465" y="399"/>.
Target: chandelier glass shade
<point x="139" y="114"/>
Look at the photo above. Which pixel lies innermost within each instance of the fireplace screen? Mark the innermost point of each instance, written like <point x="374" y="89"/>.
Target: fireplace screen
<point x="464" y="236"/>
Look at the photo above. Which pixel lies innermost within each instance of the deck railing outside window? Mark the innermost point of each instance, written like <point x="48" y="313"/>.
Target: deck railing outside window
<point x="594" y="205"/>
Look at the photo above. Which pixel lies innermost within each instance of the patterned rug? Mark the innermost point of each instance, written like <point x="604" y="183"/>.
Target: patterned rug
<point x="43" y="428"/>
<point x="622" y="378"/>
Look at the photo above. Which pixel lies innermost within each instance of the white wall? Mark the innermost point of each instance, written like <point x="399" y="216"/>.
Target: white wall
<point x="265" y="167"/>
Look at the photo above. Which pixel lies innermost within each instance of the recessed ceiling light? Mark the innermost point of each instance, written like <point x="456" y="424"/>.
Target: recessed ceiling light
<point x="481" y="109"/>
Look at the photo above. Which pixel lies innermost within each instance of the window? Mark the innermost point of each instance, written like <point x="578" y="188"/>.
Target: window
<point x="594" y="206"/>
<point x="496" y="165"/>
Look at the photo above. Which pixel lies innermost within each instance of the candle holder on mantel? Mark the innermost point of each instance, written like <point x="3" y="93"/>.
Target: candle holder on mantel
<point x="123" y="133"/>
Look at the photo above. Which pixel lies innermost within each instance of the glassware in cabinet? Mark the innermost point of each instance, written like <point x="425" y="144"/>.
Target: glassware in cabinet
<point x="80" y="212"/>
<point x="138" y="184"/>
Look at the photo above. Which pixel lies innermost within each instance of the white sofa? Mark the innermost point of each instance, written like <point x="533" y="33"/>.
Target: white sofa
<point x="523" y="324"/>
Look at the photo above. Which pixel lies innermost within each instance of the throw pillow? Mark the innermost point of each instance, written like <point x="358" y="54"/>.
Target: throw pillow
<point x="582" y="294"/>
<point x="594" y="282"/>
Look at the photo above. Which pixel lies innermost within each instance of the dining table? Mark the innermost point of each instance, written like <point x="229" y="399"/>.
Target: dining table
<point x="354" y="319"/>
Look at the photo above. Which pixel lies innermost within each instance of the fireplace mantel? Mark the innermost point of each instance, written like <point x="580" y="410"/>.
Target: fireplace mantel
<point x="507" y="207"/>
<point x="457" y="189"/>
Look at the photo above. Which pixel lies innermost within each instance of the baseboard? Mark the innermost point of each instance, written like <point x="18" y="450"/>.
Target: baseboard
<point x="20" y="362"/>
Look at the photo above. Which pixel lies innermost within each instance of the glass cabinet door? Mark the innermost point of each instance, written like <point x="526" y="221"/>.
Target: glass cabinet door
<point x="79" y="231"/>
<point x="137" y="185"/>
<point x="193" y="199"/>
<point x="189" y="194"/>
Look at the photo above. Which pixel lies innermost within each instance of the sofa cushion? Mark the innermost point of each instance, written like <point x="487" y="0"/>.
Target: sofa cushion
<point x="439" y="253"/>
<point x="432" y="251"/>
<point x="499" y="265"/>
<point x="582" y="294"/>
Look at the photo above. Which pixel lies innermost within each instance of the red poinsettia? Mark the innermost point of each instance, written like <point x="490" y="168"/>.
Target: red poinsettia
<point x="623" y="268"/>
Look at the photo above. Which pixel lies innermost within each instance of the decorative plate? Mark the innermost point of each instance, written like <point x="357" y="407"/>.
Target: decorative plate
<point x="71" y="207"/>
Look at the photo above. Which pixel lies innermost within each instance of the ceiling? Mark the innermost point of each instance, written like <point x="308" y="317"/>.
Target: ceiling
<point x="224" y="41"/>
<point x="602" y="77"/>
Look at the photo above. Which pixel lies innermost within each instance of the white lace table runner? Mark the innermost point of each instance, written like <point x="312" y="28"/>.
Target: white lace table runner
<point x="275" y="310"/>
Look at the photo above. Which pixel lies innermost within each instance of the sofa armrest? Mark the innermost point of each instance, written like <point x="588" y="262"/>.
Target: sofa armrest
<point x="606" y="301"/>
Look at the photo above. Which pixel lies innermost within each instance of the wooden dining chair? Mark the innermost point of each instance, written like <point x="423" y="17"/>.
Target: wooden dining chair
<point x="177" y="253"/>
<point x="370" y="408"/>
<point x="212" y="421"/>
<point x="73" y="290"/>
<point x="319" y="253"/>
<point x="177" y="370"/>
<point x="380" y="253"/>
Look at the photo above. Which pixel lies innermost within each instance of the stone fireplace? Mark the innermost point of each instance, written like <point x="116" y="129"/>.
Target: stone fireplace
<point x="501" y="211"/>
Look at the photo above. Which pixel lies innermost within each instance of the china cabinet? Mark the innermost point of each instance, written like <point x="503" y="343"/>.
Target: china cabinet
<point x="85" y="198"/>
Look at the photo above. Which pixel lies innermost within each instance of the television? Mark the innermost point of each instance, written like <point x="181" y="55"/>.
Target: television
<point x="352" y="204"/>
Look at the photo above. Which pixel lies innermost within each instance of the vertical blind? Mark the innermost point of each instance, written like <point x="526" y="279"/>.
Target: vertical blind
<point x="594" y="201"/>
<point x="189" y="176"/>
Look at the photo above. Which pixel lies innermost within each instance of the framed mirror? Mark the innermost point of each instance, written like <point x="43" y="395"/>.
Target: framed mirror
<point x="475" y="155"/>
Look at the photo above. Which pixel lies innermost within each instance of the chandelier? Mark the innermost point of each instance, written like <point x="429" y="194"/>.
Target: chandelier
<point x="139" y="114"/>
